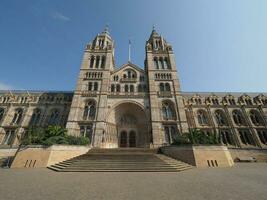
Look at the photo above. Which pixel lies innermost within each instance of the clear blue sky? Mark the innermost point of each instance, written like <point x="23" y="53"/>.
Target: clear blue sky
<point x="220" y="45"/>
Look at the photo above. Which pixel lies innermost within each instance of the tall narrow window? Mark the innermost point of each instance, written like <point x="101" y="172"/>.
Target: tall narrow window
<point x="246" y="137"/>
<point x="17" y="116"/>
<point x="103" y="62"/>
<point x="54" y="117"/>
<point x="9" y="137"/>
<point x="118" y="88"/>
<point x="167" y="87"/>
<point x="156" y="64"/>
<point x="92" y="62"/>
<point x="238" y="118"/>
<point x="220" y="118"/>
<point x="126" y="88"/>
<point x="90" y="86"/>
<point x="139" y="88"/>
<point x="202" y="117"/>
<point x="168" y="111"/>
<point x="131" y="88"/>
<point x="2" y="111"/>
<point x="97" y="62"/>
<point x="161" y="87"/>
<point x="262" y="133"/>
<point x="226" y="137"/>
<point x="36" y="117"/>
<point x="95" y="86"/>
<point x="256" y="118"/>
<point x="112" y="88"/>
<point x="89" y="111"/>
<point x="87" y="131"/>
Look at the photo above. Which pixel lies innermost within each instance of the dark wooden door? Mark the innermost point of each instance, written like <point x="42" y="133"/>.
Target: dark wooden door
<point x="123" y="139"/>
<point x="132" y="139"/>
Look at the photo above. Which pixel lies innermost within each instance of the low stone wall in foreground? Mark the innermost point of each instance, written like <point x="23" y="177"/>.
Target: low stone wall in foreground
<point x="39" y="156"/>
<point x="201" y="156"/>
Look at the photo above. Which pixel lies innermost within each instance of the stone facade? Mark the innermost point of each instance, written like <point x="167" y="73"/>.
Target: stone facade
<point x="134" y="107"/>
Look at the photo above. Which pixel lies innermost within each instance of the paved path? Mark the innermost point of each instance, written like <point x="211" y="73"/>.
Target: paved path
<point x="245" y="181"/>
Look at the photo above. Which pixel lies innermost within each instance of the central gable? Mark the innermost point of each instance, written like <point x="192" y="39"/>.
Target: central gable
<point x="129" y="66"/>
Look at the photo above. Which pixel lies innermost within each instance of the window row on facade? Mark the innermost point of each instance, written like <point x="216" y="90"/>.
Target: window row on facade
<point x="34" y="98"/>
<point x="238" y="117"/>
<point x="92" y="86"/>
<point x="161" y="63"/>
<point x="163" y="76"/>
<point x="54" y="117"/>
<point x="93" y="75"/>
<point x="128" y="88"/>
<point x="228" y="100"/>
<point x="97" y="62"/>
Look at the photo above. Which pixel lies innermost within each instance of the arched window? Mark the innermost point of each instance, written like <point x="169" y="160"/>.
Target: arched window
<point x="89" y="111"/>
<point x="95" y="86"/>
<point x="166" y="63"/>
<point x="168" y="111"/>
<point x="246" y="137"/>
<point x="131" y="88"/>
<point x="17" y="116"/>
<point x="126" y="88"/>
<point x="248" y="101"/>
<point x="256" y="118"/>
<point x="202" y="117"/>
<point x="215" y="101"/>
<point x="118" y="88"/>
<point x="92" y="62"/>
<point x="220" y="118"/>
<point x="167" y="87"/>
<point x="112" y="88"/>
<point x="226" y="137"/>
<point x="36" y="117"/>
<point x="144" y="88"/>
<point x="54" y="117"/>
<point x="231" y="101"/>
<point x="86" y="131"/>
<point x="2" y="111"/>
<point x="90" y="86"/>
<point x="161" y="87"/>
<point x="161" y="63"/>
<point x="170" y="133"/>
<point x="238" y="118"/>
<point x="262" y="133"/>
<point x="156" y="64"/>
<point x="97" y="62"/>
<point x="103" y="62"/>
<point x="140" y="88"/>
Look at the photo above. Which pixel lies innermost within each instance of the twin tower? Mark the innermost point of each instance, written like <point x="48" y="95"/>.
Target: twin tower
<point x="127" y="106"/>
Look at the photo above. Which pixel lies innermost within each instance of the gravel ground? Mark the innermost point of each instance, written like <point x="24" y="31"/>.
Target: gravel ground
<point x="244" y="181"/>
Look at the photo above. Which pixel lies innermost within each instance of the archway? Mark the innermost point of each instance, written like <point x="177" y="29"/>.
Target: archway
<point x="127" y="126"/>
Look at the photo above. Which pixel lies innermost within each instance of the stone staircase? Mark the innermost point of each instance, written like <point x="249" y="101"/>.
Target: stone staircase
<point x="121" y="160"/>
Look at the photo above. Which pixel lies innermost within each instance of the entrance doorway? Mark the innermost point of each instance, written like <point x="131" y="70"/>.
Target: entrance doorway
<point x="123" y="139"/>
<point x="132" y="139"/>
<point x="128" y="139"/>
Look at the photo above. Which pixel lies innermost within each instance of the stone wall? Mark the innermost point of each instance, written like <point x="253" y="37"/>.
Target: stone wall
<point x="259" y="154"/>
<point x="38" y="156"/>
<point x="201" y="156"/>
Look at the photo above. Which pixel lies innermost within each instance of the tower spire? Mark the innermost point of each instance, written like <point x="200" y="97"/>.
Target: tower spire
<point x="106" y="30"/>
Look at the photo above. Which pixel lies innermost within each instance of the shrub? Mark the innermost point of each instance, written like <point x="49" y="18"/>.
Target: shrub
<point x="72" y="140"/>
<point x="196" y="136"/>
<point x="51" y="135"/>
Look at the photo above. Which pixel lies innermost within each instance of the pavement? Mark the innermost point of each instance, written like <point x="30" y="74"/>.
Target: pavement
<point x="244" y="181"/>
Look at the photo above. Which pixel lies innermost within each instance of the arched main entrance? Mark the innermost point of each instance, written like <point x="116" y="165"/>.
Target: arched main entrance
<point x="127" y="126"/>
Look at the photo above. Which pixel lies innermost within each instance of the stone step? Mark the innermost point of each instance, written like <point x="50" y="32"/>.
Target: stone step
<point x="121" y="160"/>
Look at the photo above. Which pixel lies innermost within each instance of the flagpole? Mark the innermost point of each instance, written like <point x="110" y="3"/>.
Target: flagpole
<point x="129" y="52"/>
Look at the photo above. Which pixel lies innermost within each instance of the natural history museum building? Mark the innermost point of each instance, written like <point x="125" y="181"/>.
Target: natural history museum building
<point x="131" y="106"/>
